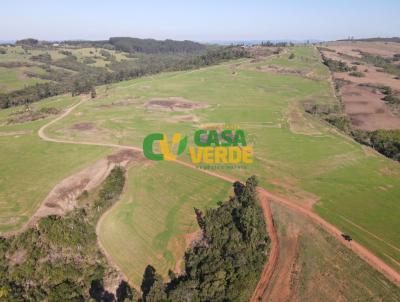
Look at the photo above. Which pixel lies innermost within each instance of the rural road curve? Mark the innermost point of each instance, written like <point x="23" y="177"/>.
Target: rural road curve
<point x="360" y="250"/>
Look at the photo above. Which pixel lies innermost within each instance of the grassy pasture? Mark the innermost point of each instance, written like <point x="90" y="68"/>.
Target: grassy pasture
<point x="347" y="184"/>
<point x="149" y="224"/>
<point x="30" y="167"/>
<point x="14" y="78"/>
<point x="320" y="167"/>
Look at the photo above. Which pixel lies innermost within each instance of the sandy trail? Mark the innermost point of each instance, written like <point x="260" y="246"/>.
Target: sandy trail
<point x="264" y="195"/>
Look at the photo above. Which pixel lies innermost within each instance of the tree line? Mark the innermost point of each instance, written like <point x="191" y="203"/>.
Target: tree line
<point x="226" y="263"/>
<point x="59" y="260"/>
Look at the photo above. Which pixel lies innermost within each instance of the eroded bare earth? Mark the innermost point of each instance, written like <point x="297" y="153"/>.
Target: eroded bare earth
<point x="63" y="197"/>
<point x="365" y="106"/>
<point x="173" y="104"/>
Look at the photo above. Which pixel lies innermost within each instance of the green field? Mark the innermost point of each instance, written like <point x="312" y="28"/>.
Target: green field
<point x="300" y="158"/>
<point x="149" y="224"/>
<point x="30" y="167"/>
<point x="295" y="154"/>
<point x="13" y="79"/>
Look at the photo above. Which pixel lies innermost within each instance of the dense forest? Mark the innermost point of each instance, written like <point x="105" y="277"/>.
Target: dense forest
<point x="134" y="45"/>
<point x="155" y="46"/>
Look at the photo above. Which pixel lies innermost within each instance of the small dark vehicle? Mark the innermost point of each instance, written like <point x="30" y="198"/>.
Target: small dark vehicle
<point x="347" y="237"/>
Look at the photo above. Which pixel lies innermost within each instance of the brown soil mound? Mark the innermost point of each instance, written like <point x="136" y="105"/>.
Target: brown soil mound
<point x="173" y="104"/>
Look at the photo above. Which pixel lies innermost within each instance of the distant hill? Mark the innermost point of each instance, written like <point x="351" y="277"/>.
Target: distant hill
<point x="155" y="46"/>
<point x="377" y="39"/>
<point x="128" y="44"/>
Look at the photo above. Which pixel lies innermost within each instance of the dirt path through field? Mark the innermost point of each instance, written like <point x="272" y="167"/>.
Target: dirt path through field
<point x="360" y="250"/>
<point x="365" y="254"/>
<point x="270" y="266"/>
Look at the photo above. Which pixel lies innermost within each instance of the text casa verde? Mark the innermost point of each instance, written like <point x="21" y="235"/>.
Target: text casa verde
<point x="210" y="147"/>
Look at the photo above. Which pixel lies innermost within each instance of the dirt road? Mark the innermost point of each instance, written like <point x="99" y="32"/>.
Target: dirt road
<point x="274" y="253"/>
<point x="365" y="254"/>
<point x="360" y="250"/>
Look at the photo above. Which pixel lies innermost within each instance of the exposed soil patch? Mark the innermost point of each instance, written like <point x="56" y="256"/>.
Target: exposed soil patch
<point x="190" y="239"/>
<point x="18" y="257"/>
<point x="63" y="197"/>
<point x="30" y="115"/>
<point x="353" y="48"/>
<point x="173" y="104"/>
<point x="371" y="76"/>
<point x="363" y="104"/>
<point x="372" y="73"/>
<point x="124" y="155"/>
<point x="366" y="109"/>
<point x="84" y="127"/>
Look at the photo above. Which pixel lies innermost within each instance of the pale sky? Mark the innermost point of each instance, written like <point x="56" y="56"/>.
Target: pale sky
<point x="201" y="20"/>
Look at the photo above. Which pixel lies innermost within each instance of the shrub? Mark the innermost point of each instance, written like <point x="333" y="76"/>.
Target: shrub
<point x="88" y="60"/>
<point x="391" y="99"/>
<point x="336" y="66"/>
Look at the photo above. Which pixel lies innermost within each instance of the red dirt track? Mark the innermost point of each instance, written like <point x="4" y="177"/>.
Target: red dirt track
<point x="274" y="253"/>
<point x="264" y="197"/>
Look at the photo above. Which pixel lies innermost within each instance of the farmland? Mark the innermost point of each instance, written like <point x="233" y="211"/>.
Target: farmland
<point x="296" y="155"/>
<point x="32" y="167"/>
<point x="372" y="73"/>
<point x="155" y="219"/>
<point x="315" y="267"/>
<point x="300" y="156"/>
